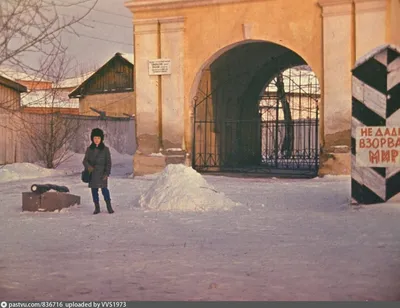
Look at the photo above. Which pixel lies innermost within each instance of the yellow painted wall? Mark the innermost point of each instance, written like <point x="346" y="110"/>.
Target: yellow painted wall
<point x="394" y="22"/>
<point x="295" y="24"/>
<point x="213" y="29"/>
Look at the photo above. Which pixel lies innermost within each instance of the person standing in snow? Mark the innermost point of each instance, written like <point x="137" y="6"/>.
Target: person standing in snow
<point x="98" y="162"/>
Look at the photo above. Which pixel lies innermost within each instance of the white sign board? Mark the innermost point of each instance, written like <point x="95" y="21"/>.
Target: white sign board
<point x="160" y="67"/>
<point x="378" y="146"/>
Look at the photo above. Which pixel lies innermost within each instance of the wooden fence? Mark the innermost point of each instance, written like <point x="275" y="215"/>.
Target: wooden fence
<point x="16" y="129"/>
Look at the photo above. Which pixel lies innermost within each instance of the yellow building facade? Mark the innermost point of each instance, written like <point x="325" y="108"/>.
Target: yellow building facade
<point x="250" y="41"/>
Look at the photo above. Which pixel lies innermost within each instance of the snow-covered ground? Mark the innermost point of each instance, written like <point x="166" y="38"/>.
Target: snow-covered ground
<point x="288" y="240"/>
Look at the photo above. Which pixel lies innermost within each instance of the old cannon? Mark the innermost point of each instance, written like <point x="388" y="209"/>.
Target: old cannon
<point x="48" y="197"/>
<point x="42" y="188"/>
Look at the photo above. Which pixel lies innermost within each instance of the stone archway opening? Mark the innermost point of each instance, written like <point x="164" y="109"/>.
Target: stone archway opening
<point x="233" y="127"/>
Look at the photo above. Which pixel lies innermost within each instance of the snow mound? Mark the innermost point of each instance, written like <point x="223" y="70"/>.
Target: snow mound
<point x="21" y="171"/>
<point x="181" y="188"/>
<point x="71" y="165"/>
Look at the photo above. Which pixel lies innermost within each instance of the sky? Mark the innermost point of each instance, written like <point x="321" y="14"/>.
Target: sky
<point x="107" y="29"/>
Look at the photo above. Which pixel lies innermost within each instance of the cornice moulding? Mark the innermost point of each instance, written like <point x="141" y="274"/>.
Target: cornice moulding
<point x="337" y="10"/>
<point x="324" y="3"/>
<point x="175" y="19"/>
<point x="157" y="5"/>
<point x="370" y="6"/>
<point x="155" y="21"/>
<point x="360" y="1"/>
<point x="139" y="22"/>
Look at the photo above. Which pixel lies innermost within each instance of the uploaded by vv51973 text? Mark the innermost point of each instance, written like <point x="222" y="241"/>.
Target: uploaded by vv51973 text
<point x="89" y="304"/>
<point x="95" y="304"/>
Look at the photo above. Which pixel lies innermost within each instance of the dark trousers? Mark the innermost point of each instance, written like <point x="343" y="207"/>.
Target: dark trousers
<point x="104" y="191"/>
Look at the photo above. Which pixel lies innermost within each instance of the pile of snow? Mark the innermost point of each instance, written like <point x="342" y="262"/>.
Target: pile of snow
<point x="21" y="171"/>
<point x="181" y="188"/>
<point x="72" y="165"/>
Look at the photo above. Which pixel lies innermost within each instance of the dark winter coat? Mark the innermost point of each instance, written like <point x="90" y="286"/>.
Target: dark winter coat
<point x="100" y="159"/>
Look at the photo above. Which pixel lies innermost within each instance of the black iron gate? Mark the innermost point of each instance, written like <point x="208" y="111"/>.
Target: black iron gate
<point x="276" y="136"/>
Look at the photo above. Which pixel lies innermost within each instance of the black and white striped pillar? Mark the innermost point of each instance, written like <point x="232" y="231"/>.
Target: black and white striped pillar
<point x="376" y="107"/>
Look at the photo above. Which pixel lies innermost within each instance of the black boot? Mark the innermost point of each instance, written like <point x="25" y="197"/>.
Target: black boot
<point x="96" y="208"/>
<point x="109" y="208"/>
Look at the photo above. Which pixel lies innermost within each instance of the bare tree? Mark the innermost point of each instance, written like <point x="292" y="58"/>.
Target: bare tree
<point x="50" y="140"/>
<point x="36" y="26"/>
<point x="287" y="146"/>
<point x="50" y="133"/>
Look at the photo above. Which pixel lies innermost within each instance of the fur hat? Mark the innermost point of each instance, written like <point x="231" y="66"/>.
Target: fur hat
<point x="97" y="132"/>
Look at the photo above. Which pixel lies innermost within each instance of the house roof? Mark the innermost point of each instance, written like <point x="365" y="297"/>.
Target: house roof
<point x="74" y="82"/>
<point x="15" y="75"/>
<point x="12" y="84"/>
<point x="129" y="57"/>
<point x="126" y="56"/>
<point x="375" y="52"/>
<point x="48" y="99"/>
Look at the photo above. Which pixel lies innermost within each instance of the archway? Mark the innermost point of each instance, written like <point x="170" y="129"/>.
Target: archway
<point x="233" y="127"/>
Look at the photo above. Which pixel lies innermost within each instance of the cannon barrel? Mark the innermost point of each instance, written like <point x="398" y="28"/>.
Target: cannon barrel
<point x="42" y="188"/>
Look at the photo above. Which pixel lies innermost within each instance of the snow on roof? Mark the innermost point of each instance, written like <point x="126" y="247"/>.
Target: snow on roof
<point x="128" y="56"/>
<point x="12" y="84"/>
<point x="374" y="52"/>
<point x="74" y="81"/>
<point x="49" y="99"/>
<point x="15" y="75"/>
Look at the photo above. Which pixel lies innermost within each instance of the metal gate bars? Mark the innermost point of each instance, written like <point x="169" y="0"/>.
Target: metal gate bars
<point x="277" y="135"/>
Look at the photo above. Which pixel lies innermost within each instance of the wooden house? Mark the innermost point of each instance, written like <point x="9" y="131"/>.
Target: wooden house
<point x="33" y="82"/>
<point x="109" y="89"/>
<point x="10" y="100"/>
<point x="56" y="98"/>
<point x="44" y="96"/>
<point x="49" y="101"/>
<point x="10" y="94"/>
